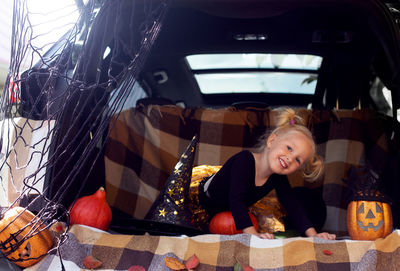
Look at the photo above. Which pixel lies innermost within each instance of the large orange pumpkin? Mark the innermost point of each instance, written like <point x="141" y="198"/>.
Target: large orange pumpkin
<point x="17" y="223"/>
<point x="369" y="220"/>
<point x="92" y="211"/>
<point x="223" y="223"/>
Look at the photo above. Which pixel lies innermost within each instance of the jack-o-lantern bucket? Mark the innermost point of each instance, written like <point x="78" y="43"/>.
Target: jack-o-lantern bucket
<point x="23" y="239"/>
<point x="369" y="215"/>
<point x="369" y="218"/>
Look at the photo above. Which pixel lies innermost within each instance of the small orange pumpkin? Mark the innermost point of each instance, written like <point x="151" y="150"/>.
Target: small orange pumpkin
<point x="369" y="220"/>
<point x="15" y="224"/>
<point x="92" y="211"/>
<point x="223" y="223"/>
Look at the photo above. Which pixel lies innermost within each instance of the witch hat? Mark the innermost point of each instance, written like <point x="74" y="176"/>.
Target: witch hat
<point x="170" y="205"/>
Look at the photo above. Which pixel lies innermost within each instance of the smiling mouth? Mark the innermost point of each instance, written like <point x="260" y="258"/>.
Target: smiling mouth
<point x="370" y="225"/>
<point x="283" y="163"/>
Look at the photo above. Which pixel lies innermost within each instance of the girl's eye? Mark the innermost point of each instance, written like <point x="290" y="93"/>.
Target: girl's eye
<point x="289" y="148"/>
<point x="298" y="160"/>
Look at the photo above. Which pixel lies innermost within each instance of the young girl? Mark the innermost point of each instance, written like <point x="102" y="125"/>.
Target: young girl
<point x="248" y="176"/>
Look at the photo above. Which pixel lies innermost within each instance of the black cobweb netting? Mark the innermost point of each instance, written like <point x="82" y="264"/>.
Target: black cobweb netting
<point x="60" y="98"/>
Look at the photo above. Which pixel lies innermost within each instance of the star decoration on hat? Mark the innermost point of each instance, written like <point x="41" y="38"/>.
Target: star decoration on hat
<point x="162" y="212"/>
<point x="170" y="206"/>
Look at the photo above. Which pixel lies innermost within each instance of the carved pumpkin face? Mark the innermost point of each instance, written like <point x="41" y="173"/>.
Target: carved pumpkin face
<point x="369" y="220"/>
<point x="15" y="224"/>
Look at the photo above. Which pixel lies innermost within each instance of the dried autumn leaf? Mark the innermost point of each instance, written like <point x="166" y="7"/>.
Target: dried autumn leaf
<point x="237" y="267"/>
<point x="58" y="227"/>
<point x="327" y="252"/>
<point x="192" y="262"/>
<point x="247" y="268"/>
<point x="91" y="262"/>
<point x="242" y="267"/>
<point x="174" y="263"/>
<point x="136" y="268"/>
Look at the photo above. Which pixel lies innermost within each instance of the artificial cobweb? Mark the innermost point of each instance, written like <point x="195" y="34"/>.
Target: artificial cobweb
<point x="71" y="71"/>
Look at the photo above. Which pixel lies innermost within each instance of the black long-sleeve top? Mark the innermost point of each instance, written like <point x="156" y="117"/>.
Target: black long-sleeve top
<point x="233" y="189"/>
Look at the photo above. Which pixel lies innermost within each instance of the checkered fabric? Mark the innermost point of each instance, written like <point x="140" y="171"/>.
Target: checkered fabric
<point x="221" y="252"/>
<point x="25" y="140"/>
<point x="145" y="143"/>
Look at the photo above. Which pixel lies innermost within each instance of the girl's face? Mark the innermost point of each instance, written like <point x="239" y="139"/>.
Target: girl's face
<point x="286" y="153"/>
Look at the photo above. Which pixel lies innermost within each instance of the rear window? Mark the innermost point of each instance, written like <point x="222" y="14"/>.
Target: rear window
<point x="255" y="73"/>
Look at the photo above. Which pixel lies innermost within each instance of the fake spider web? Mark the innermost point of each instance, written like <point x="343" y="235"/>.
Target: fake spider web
<point x="59" y="100"/>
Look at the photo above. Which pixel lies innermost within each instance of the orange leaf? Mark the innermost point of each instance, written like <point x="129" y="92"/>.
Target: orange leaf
<point x="192" y="262"/>
<point x="174" y="263"/>
<point x="327" y="252"/>
<point x="91" y="262"/>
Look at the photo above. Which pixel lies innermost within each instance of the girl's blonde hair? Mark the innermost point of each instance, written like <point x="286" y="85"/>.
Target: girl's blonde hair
<point x="288" y="121"/>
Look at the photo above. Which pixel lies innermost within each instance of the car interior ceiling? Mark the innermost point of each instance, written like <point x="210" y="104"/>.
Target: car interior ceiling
<point x="339" y="34"/>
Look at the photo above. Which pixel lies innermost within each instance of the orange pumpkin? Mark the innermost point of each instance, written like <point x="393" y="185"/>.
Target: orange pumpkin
<point x="15" y="224"/>
<point x="223" y="223"/>
<point x="92" y="211"/>
<point x="369" y="220"/>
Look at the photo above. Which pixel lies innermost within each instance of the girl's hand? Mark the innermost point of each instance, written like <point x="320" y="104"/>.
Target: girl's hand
<point x="266" y="235"/>
<point x="253" y="230"/>
<point x="326" y="235"/>
<point x="311" y="232"/>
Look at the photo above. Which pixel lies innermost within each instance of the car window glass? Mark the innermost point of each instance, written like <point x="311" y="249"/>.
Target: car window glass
<point x="259" y="73"/>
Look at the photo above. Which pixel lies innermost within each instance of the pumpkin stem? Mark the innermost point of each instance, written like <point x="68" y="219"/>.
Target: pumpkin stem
<point x="101" y="193"/>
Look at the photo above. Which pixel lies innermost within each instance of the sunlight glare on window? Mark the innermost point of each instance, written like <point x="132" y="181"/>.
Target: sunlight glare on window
<point x="259" y="73"/>
<point x="282" y="61"/>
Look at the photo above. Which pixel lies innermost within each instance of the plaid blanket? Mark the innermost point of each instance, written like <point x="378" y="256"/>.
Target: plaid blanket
<point x="146" y="142"/>
<point x="221" y="252"/>
<point x="24" y="141"/>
